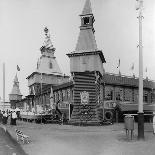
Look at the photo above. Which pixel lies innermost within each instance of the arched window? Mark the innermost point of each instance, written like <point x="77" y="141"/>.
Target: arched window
<point x="50" y="65"/>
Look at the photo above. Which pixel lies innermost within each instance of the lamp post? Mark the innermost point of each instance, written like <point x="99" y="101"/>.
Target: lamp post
<point x="140" y="105"/>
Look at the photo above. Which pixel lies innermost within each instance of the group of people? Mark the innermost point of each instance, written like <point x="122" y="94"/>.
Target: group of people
<point x="5" y="115"/>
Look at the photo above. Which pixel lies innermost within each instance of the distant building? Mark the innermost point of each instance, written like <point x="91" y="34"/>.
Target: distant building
<point x="15" y="94"/>
<point x="5" y="105"/>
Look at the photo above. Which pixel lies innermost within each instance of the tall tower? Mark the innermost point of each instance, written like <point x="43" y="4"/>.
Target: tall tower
<point x="86" y="66"/>
<point x="15" y="94"/>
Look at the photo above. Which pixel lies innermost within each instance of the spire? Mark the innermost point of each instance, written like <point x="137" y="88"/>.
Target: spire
<point x="87" y="8"/>
<point x="15" y="93"/>
<point x="15" y="89"/>
<point x="47" y="45"/>
<point x="16" y="79"/>
<point x="86" y="40"/>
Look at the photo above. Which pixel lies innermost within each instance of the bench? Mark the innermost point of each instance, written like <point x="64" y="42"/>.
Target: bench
<point x="20" y="136"/>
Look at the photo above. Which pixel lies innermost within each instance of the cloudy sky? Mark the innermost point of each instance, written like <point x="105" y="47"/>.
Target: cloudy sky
<point x="21" y="35"/>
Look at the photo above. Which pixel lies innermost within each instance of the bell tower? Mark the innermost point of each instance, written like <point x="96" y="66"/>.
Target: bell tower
<point x="86" y="56"/>
<point x="86" y="67"/>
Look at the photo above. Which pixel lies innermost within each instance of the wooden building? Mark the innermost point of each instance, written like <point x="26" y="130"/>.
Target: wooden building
<point x="90" y="95"/>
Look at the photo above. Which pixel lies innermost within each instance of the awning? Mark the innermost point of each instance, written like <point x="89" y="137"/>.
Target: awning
<point x="134" y="107"/>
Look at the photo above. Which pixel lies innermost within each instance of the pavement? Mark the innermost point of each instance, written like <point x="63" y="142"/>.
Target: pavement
<point x="53" y="139"/>
<point x="8" y="146"/>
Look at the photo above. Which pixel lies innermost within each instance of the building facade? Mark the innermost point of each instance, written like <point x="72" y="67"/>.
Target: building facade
<point x="90" y="95"/>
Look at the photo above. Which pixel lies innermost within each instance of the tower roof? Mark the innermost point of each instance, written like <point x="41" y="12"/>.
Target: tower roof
<point x="16" y="79"/>
<point x="15" y="89"/>
<point x="87" y="8"/>
<point x="48" y="65"/>
<point x="86" y="40"/>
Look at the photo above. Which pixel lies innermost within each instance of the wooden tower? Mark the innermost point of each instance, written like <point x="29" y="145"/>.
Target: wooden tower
<point x="86" y="66"/>
<point x="15" y="94"/>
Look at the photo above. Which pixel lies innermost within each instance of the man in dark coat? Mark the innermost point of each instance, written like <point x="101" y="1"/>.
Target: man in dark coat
<point x="1" y="116"/>
<point x="4" y="118"/>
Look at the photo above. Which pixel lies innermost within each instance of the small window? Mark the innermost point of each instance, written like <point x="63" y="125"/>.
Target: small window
<point x="86" y="20"/>
<point x="50" y="65"/>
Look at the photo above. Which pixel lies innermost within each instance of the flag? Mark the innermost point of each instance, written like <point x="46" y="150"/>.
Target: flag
<point x="118" y="63"/>
<point x="18" y="69"/>
<point x="38" y="63"/>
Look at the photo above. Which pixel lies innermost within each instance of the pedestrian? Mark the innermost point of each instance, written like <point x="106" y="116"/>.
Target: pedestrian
<point x="1" y="116"/>
<point x="14" y="117"/>
<point x="11" y="118"/>
<point x="4" y="118"/>
<point x="154" y="123"/>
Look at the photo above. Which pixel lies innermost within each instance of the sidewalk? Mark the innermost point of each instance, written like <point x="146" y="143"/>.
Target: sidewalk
<point x="47" y="139"/>
<point x="8" y="146"/>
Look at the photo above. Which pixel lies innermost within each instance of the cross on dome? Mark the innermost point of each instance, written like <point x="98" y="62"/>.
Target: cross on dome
<point x="47" y="42"/>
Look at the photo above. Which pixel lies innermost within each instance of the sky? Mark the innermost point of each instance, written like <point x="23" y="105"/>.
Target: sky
<point x="116" y="31"/>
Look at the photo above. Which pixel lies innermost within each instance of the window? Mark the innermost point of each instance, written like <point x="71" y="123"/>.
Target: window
<point x="119" y="94"/>
<point x="108" y="93"/>
<point x="128" y="95"/>
<point x="145" y="97"/>
<point x="86" y="20"/>
<point x="50" y="65"/>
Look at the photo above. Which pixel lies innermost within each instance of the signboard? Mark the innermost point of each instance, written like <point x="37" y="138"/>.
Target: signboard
<point x="63" y="105"/>
<point x="84" y="97"/>
<point x="109" y="104"/>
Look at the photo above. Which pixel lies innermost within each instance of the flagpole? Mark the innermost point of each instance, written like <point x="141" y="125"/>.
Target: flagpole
<point x="119" y="72"/>
<point x="132" y="68"/>
<point x="140" y="105"/>
<point x="3" y="85"/>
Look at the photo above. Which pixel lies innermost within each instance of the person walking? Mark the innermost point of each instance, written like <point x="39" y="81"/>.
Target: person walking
<point x="1" y="116"/>
<point x="4" y="118"/>
<point x="154" y="123"/>
<point x="14" y="117"/>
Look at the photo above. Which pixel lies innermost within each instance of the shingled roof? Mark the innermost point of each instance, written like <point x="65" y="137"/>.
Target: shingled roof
<point x="86" y="41"/>
<point x="114" y="79"/>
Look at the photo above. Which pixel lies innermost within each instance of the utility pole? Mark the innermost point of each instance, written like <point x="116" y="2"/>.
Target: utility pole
<point x="140" y="105"/>
<point x="3" y="86"/>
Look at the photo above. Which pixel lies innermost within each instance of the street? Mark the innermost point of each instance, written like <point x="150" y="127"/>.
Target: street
<point x="47" y="139"/>
<point x="9" y="146"/>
